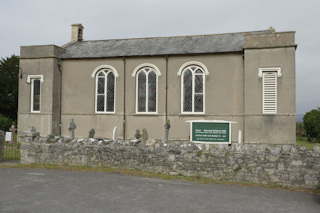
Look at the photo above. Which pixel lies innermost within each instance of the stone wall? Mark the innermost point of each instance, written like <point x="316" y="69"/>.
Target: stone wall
<point x="280" y="165"/>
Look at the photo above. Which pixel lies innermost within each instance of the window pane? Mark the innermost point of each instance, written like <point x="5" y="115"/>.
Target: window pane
<point x="36" y="95"/>
<point x="198" y="87"/>
<point x="198" y="102"/>
<point x="100" y="103"/>
<point x="101" y="82"/>
<point x="187" y="91"/>
<point x="198" y="71"/>
<point x="110" y="92"/>
<point x="101" y="74"/>
<point x="141" y="92"/>
<point x="152" y="91"/>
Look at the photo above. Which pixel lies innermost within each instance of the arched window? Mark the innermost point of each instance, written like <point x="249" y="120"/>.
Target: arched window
<point x="146" y="90"/>
<point x="193" y="89"/>
<point x="105" y="91"/>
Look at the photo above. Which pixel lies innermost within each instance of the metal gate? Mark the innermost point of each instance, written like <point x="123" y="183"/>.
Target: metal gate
<point x="9" y="151"/>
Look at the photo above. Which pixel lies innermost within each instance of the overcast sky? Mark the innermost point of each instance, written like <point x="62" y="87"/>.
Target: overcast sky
<point x="38" y="22"/>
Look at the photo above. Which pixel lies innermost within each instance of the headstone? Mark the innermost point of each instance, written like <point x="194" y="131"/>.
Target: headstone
<point x="115" y="134"/>
<point x="91" y="133"/>
<point x="71" y="128"/>
<point x="8" y="136"/>
<point x="137" y="135"/>
<point x="1" y="144"/>
<point x="13" y="129"/>
<point x="144" y="135"/>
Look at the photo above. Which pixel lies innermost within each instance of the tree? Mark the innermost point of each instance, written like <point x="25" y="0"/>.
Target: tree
<point x="9" y="79"/>
<point x="300" y="129"/>
<point x="311" y="123"/>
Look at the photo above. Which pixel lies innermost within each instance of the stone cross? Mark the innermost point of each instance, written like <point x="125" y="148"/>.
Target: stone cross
<point x="91" y="133"/>
<point x="115" y="134"/>
<point x="71" y="128"/>
<point x="144" y="135"/>
<point x="13" y="129"/>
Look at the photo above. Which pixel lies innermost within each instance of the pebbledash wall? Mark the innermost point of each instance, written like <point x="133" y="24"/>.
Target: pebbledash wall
<point x="280" y="165"/>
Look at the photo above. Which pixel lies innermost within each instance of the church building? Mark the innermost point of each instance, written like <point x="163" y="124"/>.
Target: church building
<point x="246" y="78"/>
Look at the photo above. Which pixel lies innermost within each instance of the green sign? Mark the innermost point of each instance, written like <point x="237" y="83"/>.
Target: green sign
<point x="210" y="132"/>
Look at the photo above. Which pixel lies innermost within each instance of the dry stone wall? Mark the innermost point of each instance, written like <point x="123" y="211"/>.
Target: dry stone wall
<point x="280" y="165"/>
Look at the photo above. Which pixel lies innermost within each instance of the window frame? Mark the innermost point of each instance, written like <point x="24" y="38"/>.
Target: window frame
<point x="276" y="71"/>
<point x="205" y="72"/>
<point x="30" y="80"/>
<point x="139" y="69"/>
<point x="106" y="72"/>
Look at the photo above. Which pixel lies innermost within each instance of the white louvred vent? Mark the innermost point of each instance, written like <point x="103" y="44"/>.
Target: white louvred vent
<point x="269" y="101"/>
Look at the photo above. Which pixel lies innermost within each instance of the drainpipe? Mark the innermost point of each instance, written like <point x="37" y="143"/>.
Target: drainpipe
<point x="124" y="98"/>
<point x="244" y="97"/>
<point x="60" y="96"/>
<point x="166" y="117"/>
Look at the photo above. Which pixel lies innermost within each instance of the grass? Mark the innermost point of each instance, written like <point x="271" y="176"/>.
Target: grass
<point x="147" y="174"/>
<point x="303" y="141"/>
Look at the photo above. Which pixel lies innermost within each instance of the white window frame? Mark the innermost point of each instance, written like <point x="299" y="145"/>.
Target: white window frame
<point x="205" y="72"/>
<point x="106" y="69"/>
<point x="135" y="74"/>
<point x="30" y="80"/>
<point x="262" y="74"/>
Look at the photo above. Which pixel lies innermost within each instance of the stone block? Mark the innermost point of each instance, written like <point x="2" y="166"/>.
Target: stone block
<point x="286" y="149"/>
<point x="273" y="158"/>
<point x="296" y="162"/>
<point x="316" y="149"/>
<point x="171" y="157"/>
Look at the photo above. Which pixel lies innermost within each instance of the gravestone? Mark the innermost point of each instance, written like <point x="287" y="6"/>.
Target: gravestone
<point x="137" y="135"/>
<point x="167" y="127"/>
<point x="144" y="135"/>
<point x="115" y="134"/>
<point x="71" y="128"/>
<point x="8" y="136"/>
<point x="1" y="144"/>
<point x="13" y="130"/>
<point x="91" y="133"/>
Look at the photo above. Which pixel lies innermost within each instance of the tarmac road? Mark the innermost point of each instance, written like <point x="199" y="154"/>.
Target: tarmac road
<point x="39" y="190"/>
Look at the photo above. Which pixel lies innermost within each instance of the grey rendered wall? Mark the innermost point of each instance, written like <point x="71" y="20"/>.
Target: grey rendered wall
<point x="224" y="99"/>
<point x="40" y="60"/>
<point x="279" y="52"/>
<point x="223" y="91"/>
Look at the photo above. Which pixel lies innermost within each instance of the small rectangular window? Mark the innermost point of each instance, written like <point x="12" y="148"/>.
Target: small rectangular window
<point x="35" y="95"/>
<point x="269" y="102"/>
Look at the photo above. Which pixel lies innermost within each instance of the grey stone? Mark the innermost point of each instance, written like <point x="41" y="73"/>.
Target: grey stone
<point x="144" y="135"/>
<point x="137" y="135"/>
<point x="71" y="128"/>
<point x="316" y="149"/>
<point x="115" y="134"/>
<point x="91" y="133"/>
<point x="285" y="168"/>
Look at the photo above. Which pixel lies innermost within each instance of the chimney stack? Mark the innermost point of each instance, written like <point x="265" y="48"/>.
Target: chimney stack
<point x="77" y="32"/>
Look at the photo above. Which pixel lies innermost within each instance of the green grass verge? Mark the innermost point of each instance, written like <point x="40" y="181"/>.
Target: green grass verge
<point x="303" y="141"/>
<point x="147" y="174"/>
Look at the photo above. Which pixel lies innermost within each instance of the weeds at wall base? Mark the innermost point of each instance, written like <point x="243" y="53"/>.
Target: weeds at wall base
<point x="148" y="174"/>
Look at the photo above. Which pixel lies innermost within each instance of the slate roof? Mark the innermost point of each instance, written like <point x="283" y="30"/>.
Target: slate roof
<point x="182" y="45"/>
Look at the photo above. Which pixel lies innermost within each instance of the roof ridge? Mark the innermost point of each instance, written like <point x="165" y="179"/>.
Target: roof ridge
<point x="182" y="36"/>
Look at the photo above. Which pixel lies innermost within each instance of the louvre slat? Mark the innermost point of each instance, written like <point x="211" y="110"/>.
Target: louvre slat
<point x="269" y="92"/>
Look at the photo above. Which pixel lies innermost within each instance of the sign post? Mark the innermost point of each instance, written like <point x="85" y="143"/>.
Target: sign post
<point x="210" y="131"/>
